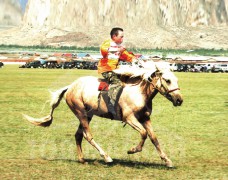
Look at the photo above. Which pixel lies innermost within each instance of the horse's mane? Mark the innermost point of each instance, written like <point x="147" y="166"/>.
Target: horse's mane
<point x="142" y="73"/>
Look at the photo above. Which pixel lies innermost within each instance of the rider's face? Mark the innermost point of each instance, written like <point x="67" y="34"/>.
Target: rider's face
<point x="119" y="38"/>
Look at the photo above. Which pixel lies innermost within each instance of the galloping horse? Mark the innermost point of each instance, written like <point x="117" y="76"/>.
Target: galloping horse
<point x="140" y="86"/>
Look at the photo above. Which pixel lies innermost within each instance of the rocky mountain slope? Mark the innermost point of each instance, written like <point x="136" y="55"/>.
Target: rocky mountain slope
<point x="10" y="13"/>
<point x="147" y="24"/>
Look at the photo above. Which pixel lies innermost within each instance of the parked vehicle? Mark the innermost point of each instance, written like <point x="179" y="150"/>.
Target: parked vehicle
<point x="1" y="64"/>
<point x="220" y="68"/>
<point x="24" y="65"/>
<point x="33" y="64"/>
<point x="50" y="64"/>
<point x="192" y="68"/>
<point x="224" y="67"/>
<point x="68" y="65"/>
<point x="206" y="67"/>
<point x="173" y="66"/>
<point x="93" y="65"/>
<point x="78" y="64"/>
<point x="182" y="68"/>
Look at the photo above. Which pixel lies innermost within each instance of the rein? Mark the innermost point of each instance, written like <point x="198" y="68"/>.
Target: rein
<point x="173" y="90"/>
<point x="150" y="80"/>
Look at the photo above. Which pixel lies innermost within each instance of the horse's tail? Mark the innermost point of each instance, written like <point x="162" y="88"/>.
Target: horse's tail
<point x="56" y="97"/>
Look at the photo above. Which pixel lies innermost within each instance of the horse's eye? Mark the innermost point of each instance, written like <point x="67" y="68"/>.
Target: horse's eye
<point x="167" y="81"/>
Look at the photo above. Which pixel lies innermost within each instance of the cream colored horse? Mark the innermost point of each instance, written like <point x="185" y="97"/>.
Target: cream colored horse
<point x="134" y="104"/>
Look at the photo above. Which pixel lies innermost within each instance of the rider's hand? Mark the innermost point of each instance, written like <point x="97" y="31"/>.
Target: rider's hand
<point x="122" y="49"/>
<point x="134" y="62"/>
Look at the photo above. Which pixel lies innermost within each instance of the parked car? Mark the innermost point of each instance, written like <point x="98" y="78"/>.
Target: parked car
<point x="173" y="66"/>
<point x="33" y="64"/>
<point x="85" y="65"/>
<point x="205" y="67"/>
<point x="93" y="65"/>
<point x="24" y="65"/>
<point x="182" y="68"/>
<point x="220" y="68"/>
<point x="1" y="64"/>
<point x="224" y="67"/>
<point x="68" y="65"/>
<point x="50" y="64"/>
<point x="78" y="64"/>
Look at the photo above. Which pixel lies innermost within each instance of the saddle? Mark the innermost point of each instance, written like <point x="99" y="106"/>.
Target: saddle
<point x="103" y="86"/>
<point x="114" y="111"/>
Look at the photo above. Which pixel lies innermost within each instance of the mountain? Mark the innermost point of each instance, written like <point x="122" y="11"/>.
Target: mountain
<point x="10" y="13"/>
<point x="74" y="13"/>
<point x="147" y="23"/>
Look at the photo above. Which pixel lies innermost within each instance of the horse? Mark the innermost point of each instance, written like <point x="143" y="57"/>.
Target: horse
<point x="134" y="107"/>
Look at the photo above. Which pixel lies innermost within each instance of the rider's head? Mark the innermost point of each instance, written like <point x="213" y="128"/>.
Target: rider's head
<point x="117" y="35"/>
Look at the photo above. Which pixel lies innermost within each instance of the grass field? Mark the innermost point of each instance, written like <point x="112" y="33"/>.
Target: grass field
<point x="194" y="135"/>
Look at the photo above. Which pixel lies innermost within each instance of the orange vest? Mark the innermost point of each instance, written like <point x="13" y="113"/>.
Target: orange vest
<point x="111" y="56"/>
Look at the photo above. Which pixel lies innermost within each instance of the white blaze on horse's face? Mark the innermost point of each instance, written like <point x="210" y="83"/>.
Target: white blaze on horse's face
<point x="170" y="79"/>
<point x="167" y="85"/>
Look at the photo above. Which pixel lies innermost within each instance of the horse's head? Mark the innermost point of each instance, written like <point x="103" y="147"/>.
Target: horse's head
<point x="159" y="76"/>
<point x="167" y="84"/>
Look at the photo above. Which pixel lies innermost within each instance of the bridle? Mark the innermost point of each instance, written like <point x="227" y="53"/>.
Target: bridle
<point x="167" y="90"/>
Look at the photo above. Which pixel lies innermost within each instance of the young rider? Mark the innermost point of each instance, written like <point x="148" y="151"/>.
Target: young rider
<point x="112" y="51"/>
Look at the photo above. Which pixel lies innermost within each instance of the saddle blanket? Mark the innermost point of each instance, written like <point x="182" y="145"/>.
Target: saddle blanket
<point x="103" y="86"/>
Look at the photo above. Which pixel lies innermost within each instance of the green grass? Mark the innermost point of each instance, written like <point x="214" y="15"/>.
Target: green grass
<point x="194" y="135"/>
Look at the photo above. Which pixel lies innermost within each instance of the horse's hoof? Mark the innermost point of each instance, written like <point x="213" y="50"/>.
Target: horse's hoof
<point x="134" y="150"/>
<point x="169" y="164"/>
<point x="82" y="161"/>
<point x="107" y="158"/>
<point x="130" y="152"/>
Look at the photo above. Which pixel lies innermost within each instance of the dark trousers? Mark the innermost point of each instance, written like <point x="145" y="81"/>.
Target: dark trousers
<point x="114" y="88"/>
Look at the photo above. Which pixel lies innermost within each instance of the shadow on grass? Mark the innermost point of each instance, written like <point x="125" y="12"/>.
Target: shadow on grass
<point x="119" y="162"/>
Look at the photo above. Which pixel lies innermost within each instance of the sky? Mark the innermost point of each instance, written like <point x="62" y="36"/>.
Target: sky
<point x="23" y="4"/>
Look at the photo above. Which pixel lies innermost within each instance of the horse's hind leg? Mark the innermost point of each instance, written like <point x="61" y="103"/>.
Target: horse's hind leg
<point x="133" y="122"/>
<point x="78" y="109"/>
<point x="88" y="136"/>
<point x="78" y="139"/>
<point x="151" y="134"/>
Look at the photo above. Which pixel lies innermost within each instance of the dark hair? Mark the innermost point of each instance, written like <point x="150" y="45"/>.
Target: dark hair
<point x="115" y="31"/>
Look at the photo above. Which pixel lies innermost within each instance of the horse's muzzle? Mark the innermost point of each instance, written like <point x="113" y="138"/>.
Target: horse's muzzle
<point x="178" y="102"/>
<point x="176" y="99"/>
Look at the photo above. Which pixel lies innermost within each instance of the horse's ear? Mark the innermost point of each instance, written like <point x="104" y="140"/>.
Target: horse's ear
<point x="153" y="75"/>
<point x="150" y="78"/>
<point x="158" y="73"/>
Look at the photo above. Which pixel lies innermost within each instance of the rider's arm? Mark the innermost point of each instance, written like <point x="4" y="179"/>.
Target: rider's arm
<point x="104" y="48"/>
<point x="127" y="56"/>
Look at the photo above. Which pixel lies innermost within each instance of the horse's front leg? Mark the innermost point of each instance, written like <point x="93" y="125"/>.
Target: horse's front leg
<point x="134" y="123"/>
<point x="147" y="125"/>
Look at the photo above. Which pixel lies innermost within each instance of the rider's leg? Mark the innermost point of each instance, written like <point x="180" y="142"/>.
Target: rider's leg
<point x="114" y="90"/>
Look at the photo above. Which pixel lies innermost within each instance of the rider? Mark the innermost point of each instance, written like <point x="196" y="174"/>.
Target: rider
<point x="112" y="51"/>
